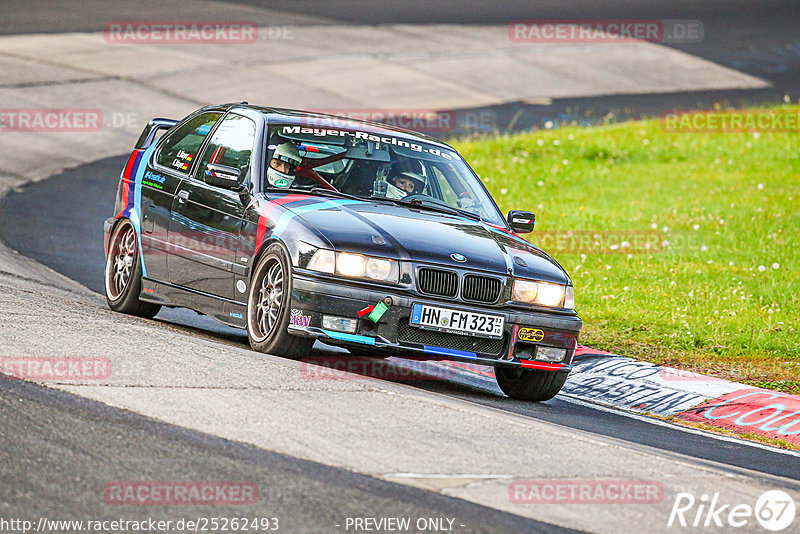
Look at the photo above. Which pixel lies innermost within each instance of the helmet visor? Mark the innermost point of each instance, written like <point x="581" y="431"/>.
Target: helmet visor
<point x="283" y="163"/>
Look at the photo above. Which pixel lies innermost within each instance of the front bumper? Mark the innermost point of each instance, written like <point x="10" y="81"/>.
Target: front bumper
<point x="524" y="332"/>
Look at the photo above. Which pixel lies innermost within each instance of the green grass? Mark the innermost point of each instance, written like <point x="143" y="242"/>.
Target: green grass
<point x="723" y="297"/>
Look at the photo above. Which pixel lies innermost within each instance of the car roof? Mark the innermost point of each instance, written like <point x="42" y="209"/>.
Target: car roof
<point x="320" y="120"/>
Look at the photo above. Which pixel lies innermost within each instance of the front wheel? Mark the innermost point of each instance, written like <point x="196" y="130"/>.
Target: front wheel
<point x="268" y="308"/>
<point x="529" y="384"/>
<point x="123" y="275"/>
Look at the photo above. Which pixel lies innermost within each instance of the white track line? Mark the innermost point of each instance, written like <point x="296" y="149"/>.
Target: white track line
<point x="438" y="475"/>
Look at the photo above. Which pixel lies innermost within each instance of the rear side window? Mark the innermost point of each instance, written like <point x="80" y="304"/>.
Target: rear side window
<point x="182" y="145"/>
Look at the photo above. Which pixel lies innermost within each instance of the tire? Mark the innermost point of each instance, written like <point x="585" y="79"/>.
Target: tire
<point x="529" y="384"/>
<point x="123" y="274"/>
<point x="268" y="304"/>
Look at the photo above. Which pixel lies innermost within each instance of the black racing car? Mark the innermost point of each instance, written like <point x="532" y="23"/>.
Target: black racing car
<point x="301" y="226"/>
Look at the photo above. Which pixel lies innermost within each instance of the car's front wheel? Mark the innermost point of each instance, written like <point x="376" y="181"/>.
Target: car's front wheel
<point x="529" y="384"/>
<point x="268" y="307"/>
<point x="123" y="274"/>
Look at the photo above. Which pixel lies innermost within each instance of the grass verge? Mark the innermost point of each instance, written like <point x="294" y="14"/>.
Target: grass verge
<point x="683" y="247"/>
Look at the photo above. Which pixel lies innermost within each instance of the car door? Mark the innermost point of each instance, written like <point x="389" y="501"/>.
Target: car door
<point x="162" y="176"/>
<point x="206" y="220"/>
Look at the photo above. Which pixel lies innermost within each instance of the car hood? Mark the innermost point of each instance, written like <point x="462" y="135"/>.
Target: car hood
<point x="418" y="235"/>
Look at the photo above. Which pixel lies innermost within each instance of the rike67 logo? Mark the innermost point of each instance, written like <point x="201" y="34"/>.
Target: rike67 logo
<point x="774" y="510"/>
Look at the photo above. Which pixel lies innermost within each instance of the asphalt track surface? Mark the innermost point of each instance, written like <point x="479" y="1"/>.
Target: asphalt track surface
<point x="58" y="222"/>
<point x="60" y="449"/>
<point x="81" y="445"/>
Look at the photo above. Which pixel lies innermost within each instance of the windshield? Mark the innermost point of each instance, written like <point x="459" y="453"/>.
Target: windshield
<point x="367" y="165"/>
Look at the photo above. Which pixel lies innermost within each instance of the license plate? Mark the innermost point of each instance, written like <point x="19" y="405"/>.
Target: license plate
<point x="456" y="321"/>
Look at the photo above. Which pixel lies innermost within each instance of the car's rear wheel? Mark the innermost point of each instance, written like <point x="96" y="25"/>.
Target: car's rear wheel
<point x="123" y="275"/>
<point x="529" y="384"/>
<point x="268" y="307"/>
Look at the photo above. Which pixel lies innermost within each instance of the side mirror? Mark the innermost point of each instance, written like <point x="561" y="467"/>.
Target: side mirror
<point x="245" y="193"/>
<point x="222" y="176"/>
<point x="521" y="221"/>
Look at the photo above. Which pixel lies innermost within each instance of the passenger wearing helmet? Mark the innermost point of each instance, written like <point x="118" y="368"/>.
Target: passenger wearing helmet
<point x="404" y="184"/>
<point x="282" y="165"/>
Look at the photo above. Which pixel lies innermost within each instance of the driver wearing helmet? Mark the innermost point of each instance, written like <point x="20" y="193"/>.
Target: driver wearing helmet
<point x="282" y="165"/>
<point x="404" y="184"/>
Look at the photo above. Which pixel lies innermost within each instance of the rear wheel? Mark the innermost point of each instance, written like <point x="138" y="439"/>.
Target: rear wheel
<point x="268" y="308"/>
<point x="529" y="384"/>
<point x="123" y="274"/>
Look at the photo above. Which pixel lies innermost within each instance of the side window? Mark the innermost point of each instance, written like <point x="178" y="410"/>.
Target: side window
<point x="231" y="145"/>
<point x="180" y="148"/>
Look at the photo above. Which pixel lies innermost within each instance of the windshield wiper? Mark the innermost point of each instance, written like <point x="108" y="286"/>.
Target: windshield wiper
<point x="331" y="193"/>
<point x="431" y="206"/>
<point x="321" y="191"/>
<point x="273" y="189"/>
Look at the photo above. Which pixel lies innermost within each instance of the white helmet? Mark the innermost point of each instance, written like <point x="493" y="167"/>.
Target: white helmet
<point x="394" y="191"/>
<point x="288" y="155"/>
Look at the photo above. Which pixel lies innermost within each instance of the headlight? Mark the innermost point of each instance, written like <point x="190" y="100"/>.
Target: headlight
<point x="551" y="294"/>
<point x="378" y="269"/>
<point x="323" y="261"/>
<point x="543" y="294"/>
<point x="569" y="300"/>
<point x="350" y="264"/>
<point x="355" y="266"/>
<point x="525" y="291"/>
